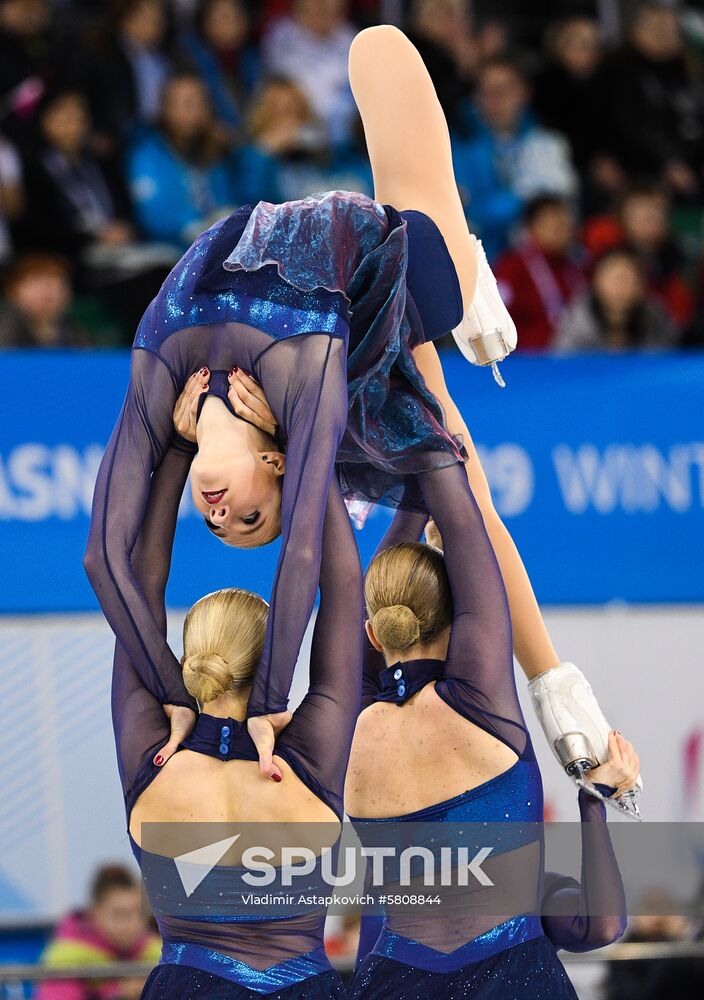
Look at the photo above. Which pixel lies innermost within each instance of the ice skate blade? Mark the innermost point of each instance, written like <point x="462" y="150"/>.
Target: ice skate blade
<point x="626" y="804"/>
<point x="498" y="377"/>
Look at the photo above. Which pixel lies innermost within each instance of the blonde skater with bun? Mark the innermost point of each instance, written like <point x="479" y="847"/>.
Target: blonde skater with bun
<point x="213" y="945"/>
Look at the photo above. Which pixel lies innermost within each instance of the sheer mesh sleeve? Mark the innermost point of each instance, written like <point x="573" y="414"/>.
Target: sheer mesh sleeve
<point x="138" y="443"/>
<point x="478" y="680"/>
<point x="322" y="728"/>
<point x="581" y="916"/>
<point x="305" y="383"/>
<point x="406" y="526"/>
<point x="139" y="720"/>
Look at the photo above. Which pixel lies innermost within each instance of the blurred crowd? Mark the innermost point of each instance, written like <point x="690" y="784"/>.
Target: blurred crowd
<point x="127" y="127"/>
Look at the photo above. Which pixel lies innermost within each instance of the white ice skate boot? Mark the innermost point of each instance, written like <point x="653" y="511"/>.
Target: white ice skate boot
<point x="576" y="729"/>
<point x="487" y="334"/>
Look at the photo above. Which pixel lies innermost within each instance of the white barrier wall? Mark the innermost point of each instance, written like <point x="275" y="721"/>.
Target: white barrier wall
<point x="60" y="805"/>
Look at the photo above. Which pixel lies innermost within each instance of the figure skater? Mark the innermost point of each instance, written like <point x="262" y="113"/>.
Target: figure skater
<point x="441" y="738"/>
<point x="321" y="302"/>
<point x="215" y="777"/>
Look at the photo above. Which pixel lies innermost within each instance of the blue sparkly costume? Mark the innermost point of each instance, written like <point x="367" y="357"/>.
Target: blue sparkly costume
<point x="213" y="946"/>
<point x="501" y="948"/>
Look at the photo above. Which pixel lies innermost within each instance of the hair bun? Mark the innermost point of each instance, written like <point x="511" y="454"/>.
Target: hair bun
<point x="206" y="675"/>
<point x="396" y="627"/>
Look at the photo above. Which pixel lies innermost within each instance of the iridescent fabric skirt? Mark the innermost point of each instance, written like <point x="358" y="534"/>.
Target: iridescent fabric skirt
<point x="527" y="971"/>
<point x="341" y="264"/>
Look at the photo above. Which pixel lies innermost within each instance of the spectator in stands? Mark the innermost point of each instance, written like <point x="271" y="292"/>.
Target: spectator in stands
<point x="288" y="156"/>
<point x="540" y="278"/>
<point x="126" y="77"/>
<point x="12" y="198"/>
<point x="77" y="206"/>
<point x="654" y="107"/>
<point x="35" y="311"/>
<point x="647" y="231"/>
<point x="510" y="159"/>
<point x="616" y="315"/>
<point x="643" y="225"/>
<point x="74" y="202"/>
<point x="441" y="30"/>
<point x="310" y="48"/>
<point x="25" y="44"/>
<point x="182" y="175"/>
<point x="218" y="50"/>
<point x="571" y="95"/>
<point x="112" y="929"/>
<point x="285" y="142"/>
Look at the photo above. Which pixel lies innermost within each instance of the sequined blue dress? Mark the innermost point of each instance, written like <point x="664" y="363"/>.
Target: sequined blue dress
<point x="215" y="949"/>
<point x="475" y="947"/>
<point x="312" y="297"/>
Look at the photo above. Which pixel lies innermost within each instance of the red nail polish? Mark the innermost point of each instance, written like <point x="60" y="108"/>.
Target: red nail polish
<point x="276" y="777"/>
<point x="158" y="760"/>
<point x="204" y="371"/>
<point x="231" y="371"/>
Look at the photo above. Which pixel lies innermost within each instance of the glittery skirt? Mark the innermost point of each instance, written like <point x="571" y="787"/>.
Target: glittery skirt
<point x="334" y="263"/>
<point x="296" y="979"/>
<point x="528" y="971"/>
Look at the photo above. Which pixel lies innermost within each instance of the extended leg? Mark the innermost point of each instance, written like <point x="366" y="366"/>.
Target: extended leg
<point x="411" y="157"/>
<point x="408" y="140"/>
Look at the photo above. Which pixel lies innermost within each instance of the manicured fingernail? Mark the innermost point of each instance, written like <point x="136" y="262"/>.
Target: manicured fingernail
<point x="276" y="777"/>
<point x="158" y="760"/>
<point x="204" y="371"/>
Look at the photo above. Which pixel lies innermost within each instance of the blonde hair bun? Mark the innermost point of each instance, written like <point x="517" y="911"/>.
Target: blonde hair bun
<point x="206" y="675"/>
<point x="396" y="627"/>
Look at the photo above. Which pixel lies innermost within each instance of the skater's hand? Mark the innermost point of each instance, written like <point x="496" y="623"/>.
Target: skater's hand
<point x="182" y="722"/>
<point x="622" y="768"/>
<point x="249" y="402"/>
<point x="264" y="729"/>
<point x="186" y="408"/>
<point x="433" y="536"/>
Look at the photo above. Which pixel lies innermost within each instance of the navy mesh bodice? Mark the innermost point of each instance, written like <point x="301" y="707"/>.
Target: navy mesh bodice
<point x="477" y="681"/>
<point x="314" y="304"/>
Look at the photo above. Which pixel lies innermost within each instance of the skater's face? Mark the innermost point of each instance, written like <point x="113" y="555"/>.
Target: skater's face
<point x="239" y="495"/>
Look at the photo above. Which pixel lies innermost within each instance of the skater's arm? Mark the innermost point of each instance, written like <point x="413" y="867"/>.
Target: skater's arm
<point x="139" y="441"/>
<point x="532" y="645"/>
<point x="591" y="913"/>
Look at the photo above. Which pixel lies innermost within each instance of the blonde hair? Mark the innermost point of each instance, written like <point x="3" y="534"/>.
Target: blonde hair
<point x="223" y="638"/>
<point x="408" y="595"/>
